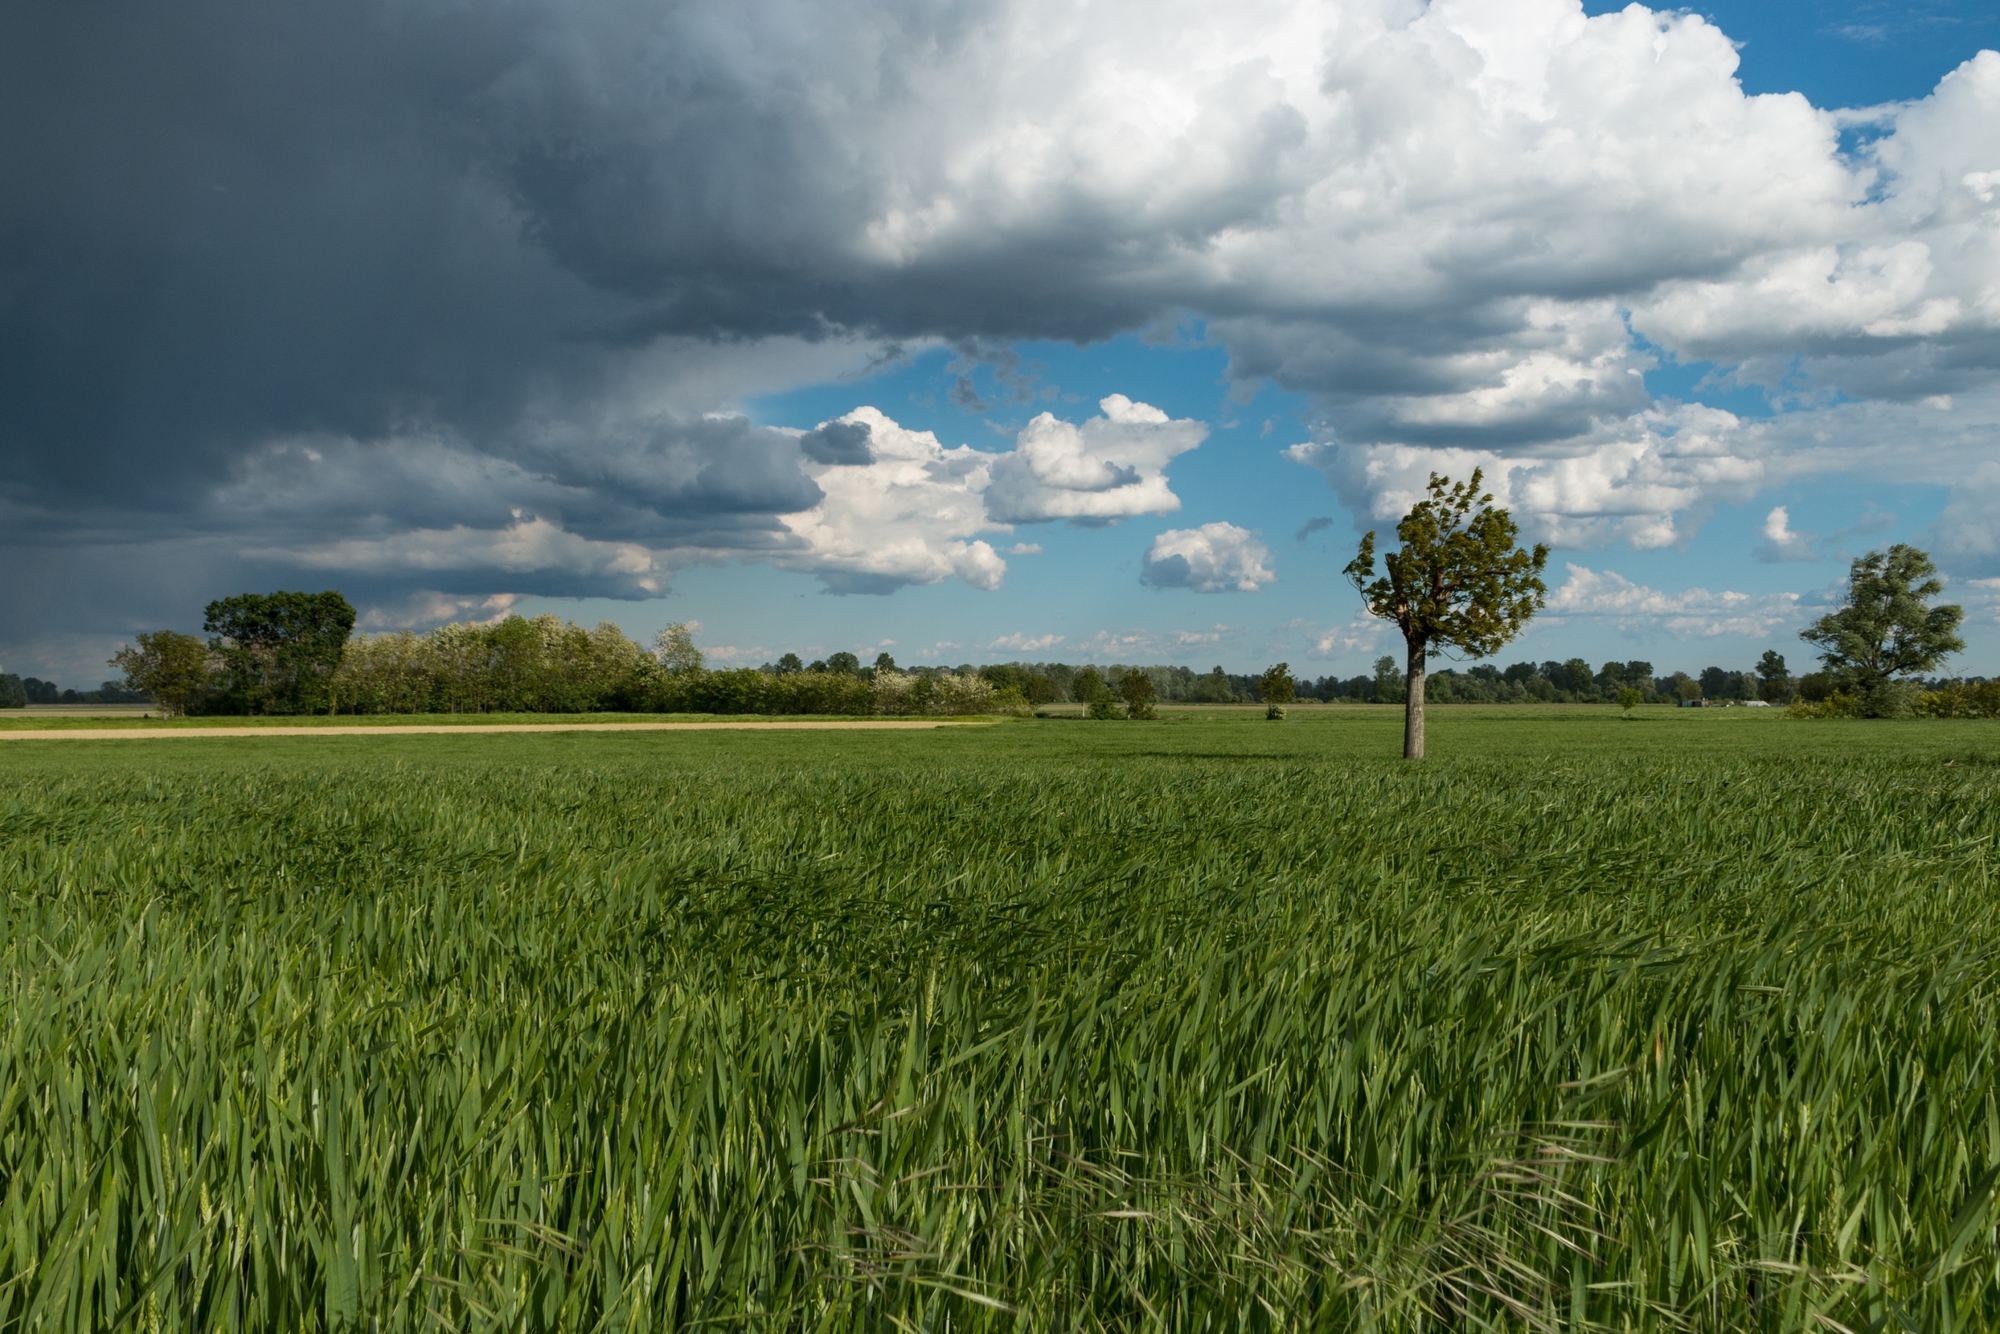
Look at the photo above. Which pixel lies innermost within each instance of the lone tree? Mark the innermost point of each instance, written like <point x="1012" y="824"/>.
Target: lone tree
<point x="1885" y="629"/>
<point x="1277" y="689"/>
<point x="1459" y="583"/>
<point x="172" y="669"/>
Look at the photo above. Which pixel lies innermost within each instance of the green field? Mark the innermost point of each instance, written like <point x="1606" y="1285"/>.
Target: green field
<point x="1212" y="1023"/>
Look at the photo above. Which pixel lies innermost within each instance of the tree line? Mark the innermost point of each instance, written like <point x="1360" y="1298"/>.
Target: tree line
<point x="18" y="692"/>
<point x="1458" y="584"/>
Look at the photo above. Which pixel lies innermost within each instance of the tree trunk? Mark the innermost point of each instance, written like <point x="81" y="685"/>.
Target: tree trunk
<point x="1413" y="706"/>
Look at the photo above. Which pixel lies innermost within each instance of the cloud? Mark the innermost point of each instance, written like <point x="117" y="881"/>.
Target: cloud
<point x="914" y="512"/>
<point x="1314" y="525"/>
<point x="1695" y="613"/>
<point x="837" y="443"/>
<point x="1111" y="467"/>
<point x="1782" y="544"/>
<point x="1027" y="643"/>
<point x="1363" y="634"/>
<point x="1214" y="558"/>
<point x="536" y="256"/>
<point x="1025" y="549"/>
<point x="1627" y="479"/>
<point x="1136" y="646"/>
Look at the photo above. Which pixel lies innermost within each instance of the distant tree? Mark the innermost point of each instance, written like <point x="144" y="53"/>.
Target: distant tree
<point x="1006" y="676"/>
<point x="788" y="664"/>
<point x="846" y="664"/>
<point x="1388" y="681"/>
<point x="1685" y="687"/>
<point x="279" y="651"/>
<point x="1459" y="582"/>
<point x="1579" y="680"/>
<point x="1629" y="698"/>
<point x="1276" y="689"/>
<point x="675" y="650"/>
<point x="1094" y="692"/>
<point x="173" y="670"/>
<point x="1774" y="682"/>
<point x="12" y="694"/>
<point x="1885" y="629"/>
<point x="42" y="692"/>
<point x="1213" y="688"/>
<point x="884" y="663"/>
<point x="1276" y="686"/>
<point x="1639" y="675"/>
<point x="1718" y="683"/>
<point x="1135" y="687"/>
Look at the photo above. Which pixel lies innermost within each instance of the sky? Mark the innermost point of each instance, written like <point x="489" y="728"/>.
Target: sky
<point x="1025" y="329"/>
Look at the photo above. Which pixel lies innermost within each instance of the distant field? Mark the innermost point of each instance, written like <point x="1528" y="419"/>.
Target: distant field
<point x="1684" y="1022"/>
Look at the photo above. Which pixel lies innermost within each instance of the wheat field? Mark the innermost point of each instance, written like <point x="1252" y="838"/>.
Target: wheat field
<point x="1209" y="1024"/>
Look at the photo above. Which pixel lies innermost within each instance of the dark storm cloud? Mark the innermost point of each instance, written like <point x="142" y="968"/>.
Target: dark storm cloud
<point x="838" y="443"/>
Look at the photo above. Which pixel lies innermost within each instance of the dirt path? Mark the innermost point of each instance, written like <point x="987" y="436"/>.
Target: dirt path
<point x="127" y="733"/>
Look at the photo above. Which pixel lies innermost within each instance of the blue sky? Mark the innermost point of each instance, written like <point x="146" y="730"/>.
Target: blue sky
<point x="1712" y="295"/>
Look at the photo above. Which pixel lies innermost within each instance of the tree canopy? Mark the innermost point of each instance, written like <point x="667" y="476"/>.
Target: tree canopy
<point x="279" y="650"/>
<point x="1885" y="628"/>
<point x="172" y="668"/>
<point x="1458" y="583"/>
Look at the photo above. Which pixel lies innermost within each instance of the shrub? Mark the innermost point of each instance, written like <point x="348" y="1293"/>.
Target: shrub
<point x="1959" y="700"/>
<point x="1835" y="705"/>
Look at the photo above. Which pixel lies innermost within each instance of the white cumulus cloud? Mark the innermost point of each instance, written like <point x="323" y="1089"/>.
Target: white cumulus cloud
<point x="1026" y="643"/>
<point x="909" y="510"/>
<point x="1214" y="558"/>
<point x="1691" y="614"/>
<point x="1781" y="543"/>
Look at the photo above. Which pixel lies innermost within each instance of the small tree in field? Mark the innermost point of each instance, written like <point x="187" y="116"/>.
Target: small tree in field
<point x="1136" y="689"/>
<point x="1277" y="689"/>
<point x="1629" y="699"/>
<point x="173" y="669"/>
<point x="1885" y="629"/>
<point x="1458" y="583"/>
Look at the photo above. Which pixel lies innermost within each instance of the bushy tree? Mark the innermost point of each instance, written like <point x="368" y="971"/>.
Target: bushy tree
<point x="1717" y="683"/>
<point x="1629" y="699"/>
<point x="175" y="671"/>
<point x="1388" y="681"/>
<point x="1135" y="687"/>
<point x="1458" y="583"/>
<point x="1094" y="693"/>
<point x="13" y="695"/>
<point x="1774" y="681"/>
<point x="1277" y="689"/>
<point x="278" y="651"/>
<point x="1885" y="630"/>
<point x="845" y="664"/>
<point x="790" y="663"/>
<point x="884" y="663"/>
<point x="675" y="650"/>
